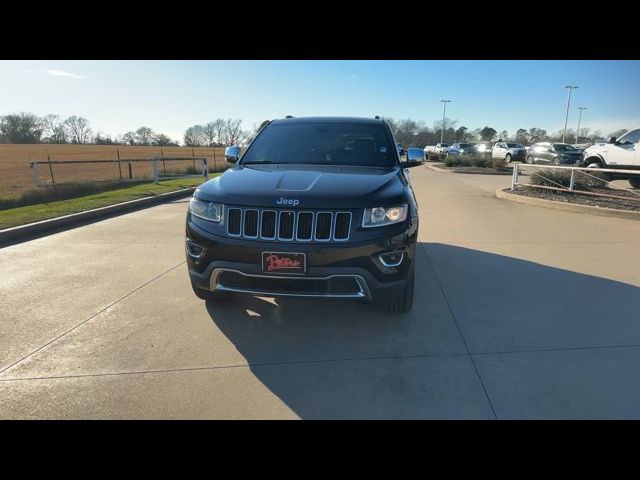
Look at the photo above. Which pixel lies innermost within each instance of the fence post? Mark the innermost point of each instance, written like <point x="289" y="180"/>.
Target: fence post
<point x="215" y="167"/>
<point x="514" y="177"/>
<point x="130" y="172"/>
<point x="53" y="180"/>
<point x="34" y="172"/>
<point x="572" y="181"/>
<point x="155" y="170"/>
<point x="205" y="168"/>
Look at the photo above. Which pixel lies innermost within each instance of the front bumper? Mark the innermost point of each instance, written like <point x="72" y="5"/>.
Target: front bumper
<point x="235" y="265"/>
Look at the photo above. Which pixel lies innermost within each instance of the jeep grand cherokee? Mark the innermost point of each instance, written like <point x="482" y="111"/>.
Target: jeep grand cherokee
<point x="315" y="207"/>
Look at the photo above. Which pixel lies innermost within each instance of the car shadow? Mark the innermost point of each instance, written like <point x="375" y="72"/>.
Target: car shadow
<point x="342" y="359"/>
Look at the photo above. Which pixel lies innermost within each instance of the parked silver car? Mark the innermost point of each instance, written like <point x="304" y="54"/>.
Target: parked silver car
<point x="508" y="151"/>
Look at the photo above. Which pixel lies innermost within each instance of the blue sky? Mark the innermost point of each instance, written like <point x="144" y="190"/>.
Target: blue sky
<point x="169" y="96"/>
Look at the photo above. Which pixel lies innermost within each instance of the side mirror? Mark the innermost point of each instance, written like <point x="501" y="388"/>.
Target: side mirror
<point x="232" y="154"/>
<point x="415" y="157"/>
<point x="612" y="140"/>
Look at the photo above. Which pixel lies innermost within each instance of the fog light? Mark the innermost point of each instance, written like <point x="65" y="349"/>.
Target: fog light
<point x="194" y="250"/>
<point x="391" y="259"/>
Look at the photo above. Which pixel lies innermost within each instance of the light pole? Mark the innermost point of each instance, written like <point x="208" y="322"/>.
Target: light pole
<point x="579" y="118"/>
<point x="566" y="118"/>
<point x="444" y="109"/>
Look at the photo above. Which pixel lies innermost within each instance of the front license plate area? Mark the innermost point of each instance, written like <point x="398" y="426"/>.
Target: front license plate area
<point x="284" y="262"/>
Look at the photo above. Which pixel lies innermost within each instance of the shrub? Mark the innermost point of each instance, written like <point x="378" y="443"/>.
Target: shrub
<point x="498" y="164"/>
<point x="562" y="178"/>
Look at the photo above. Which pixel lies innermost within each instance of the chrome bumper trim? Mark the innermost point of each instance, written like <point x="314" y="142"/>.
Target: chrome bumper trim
<point x="216" y="286"/>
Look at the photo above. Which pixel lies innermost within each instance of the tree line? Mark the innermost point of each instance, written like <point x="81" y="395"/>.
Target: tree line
<point x="412" y="133"/>
<point x="29" y="128"/>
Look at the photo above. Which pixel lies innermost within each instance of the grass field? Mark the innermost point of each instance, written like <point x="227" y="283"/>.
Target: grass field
<point x="35" y="213"/>
<point x="16" y="176"/>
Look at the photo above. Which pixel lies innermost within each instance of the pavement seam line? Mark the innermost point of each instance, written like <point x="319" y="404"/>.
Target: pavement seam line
<point x="86" y="320"/>
<point x="455" y="320"/>
<point x="557" y="349"/>
<point x="304" y="362"/>
<point x="221" y="367"/>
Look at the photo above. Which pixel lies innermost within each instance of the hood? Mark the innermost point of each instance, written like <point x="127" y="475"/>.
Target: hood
<point x="305" y="186"/>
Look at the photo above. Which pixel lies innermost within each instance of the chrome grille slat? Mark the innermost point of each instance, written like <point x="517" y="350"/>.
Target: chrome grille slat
<point x="287" y="220"/>
<point x="289" y="225"/>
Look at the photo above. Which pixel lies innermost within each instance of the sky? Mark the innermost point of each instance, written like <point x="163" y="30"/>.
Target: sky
<point x="169" y="96"/>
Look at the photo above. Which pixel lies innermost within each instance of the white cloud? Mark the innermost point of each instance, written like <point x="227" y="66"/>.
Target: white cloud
<point x="62" y="73"/>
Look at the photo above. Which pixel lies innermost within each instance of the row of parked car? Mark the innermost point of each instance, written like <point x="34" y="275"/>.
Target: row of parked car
<point x="542" y="152"/>
<point x="622" y="154"/>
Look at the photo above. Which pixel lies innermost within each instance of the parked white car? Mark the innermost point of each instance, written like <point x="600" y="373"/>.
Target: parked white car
<point x="439" y="149"/>
<point x="622" y="153"/>
<point x="508" y="151"/>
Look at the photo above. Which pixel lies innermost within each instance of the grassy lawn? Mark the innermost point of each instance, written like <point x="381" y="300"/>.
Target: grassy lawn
<point x="34" y="213"/>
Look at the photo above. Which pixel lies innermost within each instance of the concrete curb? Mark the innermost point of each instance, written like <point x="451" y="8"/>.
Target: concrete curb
<point x="69" y="221"/>
<point x="567" y="207"/>
<point x="447" y="170"/>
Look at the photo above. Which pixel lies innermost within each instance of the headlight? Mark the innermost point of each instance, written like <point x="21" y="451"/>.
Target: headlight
<point x="379" y="216"/>
<point x="207" y="210"/>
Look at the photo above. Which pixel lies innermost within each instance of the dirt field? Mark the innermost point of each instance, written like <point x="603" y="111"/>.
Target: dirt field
<point x="16" y="175"/>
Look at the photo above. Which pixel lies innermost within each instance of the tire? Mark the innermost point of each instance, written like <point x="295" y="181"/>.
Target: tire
<point x="530" y="160"/>
<point x="595" y="164"/>
<point x="556" y="161"/>
<point x="507" y="159"/>
<point x="404" y="302"/>
<point x="635" y="182"/>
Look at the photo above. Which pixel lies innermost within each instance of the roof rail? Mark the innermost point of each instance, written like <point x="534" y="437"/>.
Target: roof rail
<point x="289" y="116"/>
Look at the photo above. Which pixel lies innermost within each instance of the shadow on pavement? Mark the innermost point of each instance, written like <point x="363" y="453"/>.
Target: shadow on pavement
<point x="337" y="359"/>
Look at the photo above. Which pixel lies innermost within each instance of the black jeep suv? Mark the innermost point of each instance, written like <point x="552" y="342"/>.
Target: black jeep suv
<point x="315" y="207"/>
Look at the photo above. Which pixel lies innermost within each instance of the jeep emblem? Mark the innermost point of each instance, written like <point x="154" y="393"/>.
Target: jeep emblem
<point x="288" y="201"/>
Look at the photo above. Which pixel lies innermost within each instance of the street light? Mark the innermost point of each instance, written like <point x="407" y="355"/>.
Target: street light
<point x="579" y="118"/>
<point x="566" y="118"/>
<point x="444" y="109"/>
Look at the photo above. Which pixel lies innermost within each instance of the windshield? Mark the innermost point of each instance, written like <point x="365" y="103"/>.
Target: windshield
<point x="363" y="144"/>
<point x="465" y="145"/>
<point x="562" y="147"/>
<point x="514" y="145"/>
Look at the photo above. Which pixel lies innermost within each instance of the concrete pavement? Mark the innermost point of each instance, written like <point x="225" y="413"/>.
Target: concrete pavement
<point x="520" y="312"/>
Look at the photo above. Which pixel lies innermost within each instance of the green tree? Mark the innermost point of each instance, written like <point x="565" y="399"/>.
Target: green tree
<point x="162" y="140"/>
<point x="537" y="135"/>
<point x="522" y="136"/>
<point x="487" y="134"/>
<point x="461" y="134"/>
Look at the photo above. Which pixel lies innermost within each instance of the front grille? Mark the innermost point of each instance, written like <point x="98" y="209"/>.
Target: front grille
<point x="288" y="225"/>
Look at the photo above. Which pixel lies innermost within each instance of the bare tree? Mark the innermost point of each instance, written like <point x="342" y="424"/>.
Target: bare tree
<point x="195" y="136"/>
<point x="129" y="138"/>
<point x="144" y="136"/>
<point x="55" y="129"/>
<point x="79" y="129"/>
<point x="233" y="133"/>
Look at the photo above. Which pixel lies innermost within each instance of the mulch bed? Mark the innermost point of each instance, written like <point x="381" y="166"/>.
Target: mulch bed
<point x="632" y="204"/>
